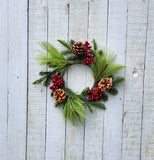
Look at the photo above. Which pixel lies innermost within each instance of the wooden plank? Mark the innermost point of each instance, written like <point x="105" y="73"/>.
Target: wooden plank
<point x="58" y="29"/>
<point x="17" y="78"/>
<point x="117" y="20"/>
<point x="148" y="102"/>
<point x="3" y="77"/>
<point x="135" y="57"/>
<point x="37" y="93"/>
<point x="76" y="77"/>
<point x="94" y="125"/>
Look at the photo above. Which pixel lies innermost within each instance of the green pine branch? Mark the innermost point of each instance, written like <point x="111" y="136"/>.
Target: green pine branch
<point x="97" y="105"/>
<point x="46" y="78"/>
<point x="104" y="97"/>
<point x="103" y="66"/>
<point x="71" y="42"/>
<point x="90" y="107"/>
<point x="113" y="91"/>
<point x="95" y="44"/>
<point x="53" y="59"/>
<point x="117" y="80"/>
<point x="74" y="109"/>
<point x="66" y="52"/>
<point x="64" y="44"/>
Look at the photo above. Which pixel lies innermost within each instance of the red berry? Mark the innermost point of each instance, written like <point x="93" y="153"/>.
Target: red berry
<point x="57" y="80"/>
<point x="89" y="92"/>
<point x="53" y="87"/>
<point x="95" y="95"/>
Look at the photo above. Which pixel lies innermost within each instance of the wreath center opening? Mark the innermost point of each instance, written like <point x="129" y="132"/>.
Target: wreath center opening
<point x="78" y="77"/>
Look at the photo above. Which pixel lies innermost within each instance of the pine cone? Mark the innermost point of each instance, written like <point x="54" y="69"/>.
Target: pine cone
<point x="77" y="48"/>
<point x="105" y="84"/>
<point x="59" y="95"/>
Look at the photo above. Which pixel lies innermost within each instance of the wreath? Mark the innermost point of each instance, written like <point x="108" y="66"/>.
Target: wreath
<point x="99" y="61"/>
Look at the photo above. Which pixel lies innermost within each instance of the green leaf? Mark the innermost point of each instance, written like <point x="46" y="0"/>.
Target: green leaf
<point x="39" y="80"/>
<point x="95" y="45"/>
<point x="117" y="80"/>
<point x="104" y="97"/>
<point x="84" y="92"/>
<point x="75" y="59"/>
<point x="64" y="44"/>
<point x="111" y="70"/>
<point x="71" y="42"/>
<point x="54" y="59"/>
<point x="91" y="109"/>
<point x="51" y="94"/>
<point x="69" y="92"/>
<point x="66" y="52"/>
<point x="59" y="104"/>
<point x="43" y="73"/>
<point x="113" y="91"/>
<point x="98" y="105"/>
<point x="99" y="65"/>
<point x="47" y="81"/>
<point x="93" y="51"/>
<point x="74" y="109"/>
<point x="101" y="52"/>
<point x="50" y="49"/>
<point x="109" y="56"/>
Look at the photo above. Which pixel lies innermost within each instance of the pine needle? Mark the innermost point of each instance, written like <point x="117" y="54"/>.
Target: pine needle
<point x="54" y="59"/>
<point x="117" y="80"/>
<point x="71" y="42"/>
<point x="74" y="108"/>
<point x="113" y="91"/>
<point x="98" y="105"/>
<point x="66" y="52"/>
<point x="64" y="44"/>
<point x="111" y="70"/>
<point x="95" y="44"/>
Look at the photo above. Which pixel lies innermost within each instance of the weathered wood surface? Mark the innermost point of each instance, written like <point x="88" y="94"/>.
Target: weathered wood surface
<point x="30" y="127"/>
<point x="36" y="107"/>
<point x="13" y="72"/>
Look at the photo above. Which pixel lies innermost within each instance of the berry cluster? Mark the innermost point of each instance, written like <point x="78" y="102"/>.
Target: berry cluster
<point x="87" y="51"/>
<point x="95" y="95"/>
<point x="89" y="59"/>
<point x="57" y="82"/>
<point x="87" y="48"/>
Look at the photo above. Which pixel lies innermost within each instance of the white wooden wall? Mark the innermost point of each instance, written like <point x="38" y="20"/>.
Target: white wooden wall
<point x="30" y="127"/>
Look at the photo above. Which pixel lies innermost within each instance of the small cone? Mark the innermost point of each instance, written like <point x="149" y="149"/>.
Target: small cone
<point x="78" y="48"/>
<point x="59" y="95"/>
<point x="105" y="84"/>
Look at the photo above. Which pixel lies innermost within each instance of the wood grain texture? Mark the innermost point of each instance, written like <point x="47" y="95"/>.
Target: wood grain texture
<point x="17" y="78"/>
<point x="125" y="130"/>
<point x="37" y="93"/>
<point x="116" y="42"/>
<point x="3" y="77"/>
<point x="57" y="29"/>
<point x="97" y="28"/>
<point x="148" y="102"/>
<point x="78" y="19"/>
<point x="135" y="57"/>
